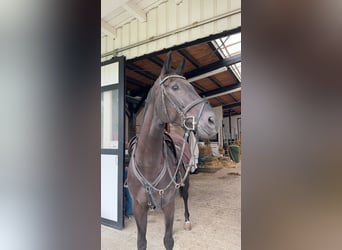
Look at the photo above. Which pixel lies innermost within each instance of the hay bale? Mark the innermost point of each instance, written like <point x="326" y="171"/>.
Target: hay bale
<point x="229" y="163"/>
<point x="214" y="162"/>
<point x="225" y="161"/>
<point x="204" y="150"/>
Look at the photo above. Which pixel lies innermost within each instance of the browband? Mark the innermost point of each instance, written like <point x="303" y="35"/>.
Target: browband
<point x="171" y="76"/>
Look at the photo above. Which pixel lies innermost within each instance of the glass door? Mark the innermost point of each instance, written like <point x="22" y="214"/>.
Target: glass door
<point x="112" y="141"/>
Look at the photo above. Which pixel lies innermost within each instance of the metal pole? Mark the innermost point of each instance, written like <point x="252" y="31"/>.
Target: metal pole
<point x="230" y="124"/>
<point x="238" y="121"/>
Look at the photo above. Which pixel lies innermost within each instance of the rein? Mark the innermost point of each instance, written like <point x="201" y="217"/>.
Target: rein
<point x="184" y="119"/>
<point x="151" y="186"/>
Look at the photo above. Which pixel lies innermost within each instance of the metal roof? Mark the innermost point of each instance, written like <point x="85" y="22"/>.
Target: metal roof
<point x="213" y="63"/>
<point x="214" y="75"/>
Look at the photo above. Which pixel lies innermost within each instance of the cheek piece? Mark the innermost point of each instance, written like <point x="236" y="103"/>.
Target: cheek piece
<point x="188" y="122"/>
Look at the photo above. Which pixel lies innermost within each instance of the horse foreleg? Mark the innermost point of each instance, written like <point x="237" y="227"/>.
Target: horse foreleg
<point x="169" y="216"/>
<point x="140" y="215"/>
<point x="184" y="193"/>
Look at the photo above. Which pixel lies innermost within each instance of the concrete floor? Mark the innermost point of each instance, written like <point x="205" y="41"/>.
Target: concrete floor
<point x="215" y="214"/>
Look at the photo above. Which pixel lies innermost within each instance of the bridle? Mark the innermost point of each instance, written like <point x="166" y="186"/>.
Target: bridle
<point x="184" y="119"/>
<point x="182" y="112"/>
<point x="151" y="187"/>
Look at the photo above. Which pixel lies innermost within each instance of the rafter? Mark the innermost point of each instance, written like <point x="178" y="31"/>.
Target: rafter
<point x="156" y="60"/>
<point x="216" y="65"/>
<point x="233" y="112"/>
<point x="136" y="82"/>
<point x="189" y="57"/>
<point x="135" y="11"/>
<point x="108" y="29"/>
<point x="141" y="71"/>
<point x="221" y="90"/>
<point x="231" y="105"/>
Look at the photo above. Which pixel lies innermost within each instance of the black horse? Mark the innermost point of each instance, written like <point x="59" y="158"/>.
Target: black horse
<point x="155" y="170"/>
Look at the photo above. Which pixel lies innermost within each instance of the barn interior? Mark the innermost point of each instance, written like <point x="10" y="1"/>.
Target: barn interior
<point x="213" y="67"/>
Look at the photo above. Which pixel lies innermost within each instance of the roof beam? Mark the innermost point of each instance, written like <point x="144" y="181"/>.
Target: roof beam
<point x="233" y="97"/>
<point x="187" y="44"/>
<point x="234" y="76"/>
<point x="228" y="92"/>
<point x="226" y="113"/>
<point x="136" y="82"/>
<point x="135" y="11"/>
<point x="220" y="100"/>
<point x="141" y="71"/>
<point x="189" y="57"/>
<point x="217" y="82"/>
<point x="108" y="29"/>
<point x="231" y="105"/>
<point x="199" y="87"/>
<point x="156" y="60"/>
<point x="214" y="50"/>
<point x="221" y="90"/>
<point x="213" y="66"/>
<point x="194" y="62"/>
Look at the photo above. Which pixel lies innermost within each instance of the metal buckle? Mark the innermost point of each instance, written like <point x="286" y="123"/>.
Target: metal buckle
<point x="193" y="123"/>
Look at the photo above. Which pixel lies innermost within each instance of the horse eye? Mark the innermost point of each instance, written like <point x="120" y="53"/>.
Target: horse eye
<point x="175" y="87"/>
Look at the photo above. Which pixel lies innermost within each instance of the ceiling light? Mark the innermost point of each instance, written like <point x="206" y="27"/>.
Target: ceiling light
<point x="224" y="93"/>
<point x="210" y="73"/>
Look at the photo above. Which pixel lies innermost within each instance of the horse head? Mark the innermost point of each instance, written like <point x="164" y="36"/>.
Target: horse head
<point x="178" y="102"/>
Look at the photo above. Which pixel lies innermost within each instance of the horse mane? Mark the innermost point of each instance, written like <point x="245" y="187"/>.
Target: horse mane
<point x="149" y="98"/>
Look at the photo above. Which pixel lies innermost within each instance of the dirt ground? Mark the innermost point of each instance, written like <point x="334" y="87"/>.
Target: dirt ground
<point x="215" y="214"/>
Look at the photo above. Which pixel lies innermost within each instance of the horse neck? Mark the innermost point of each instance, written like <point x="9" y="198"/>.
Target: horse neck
<point x="150" y="144"/>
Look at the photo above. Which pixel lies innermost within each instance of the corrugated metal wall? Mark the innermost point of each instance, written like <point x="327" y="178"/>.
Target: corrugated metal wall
<point x="170" y="24"/>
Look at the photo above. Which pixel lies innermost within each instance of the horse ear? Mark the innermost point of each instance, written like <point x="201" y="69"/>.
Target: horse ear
<point x="167" y="64"/>
<point x="180" y="68"/>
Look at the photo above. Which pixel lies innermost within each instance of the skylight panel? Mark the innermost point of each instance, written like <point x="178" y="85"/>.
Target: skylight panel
<point x="230" y="46"/>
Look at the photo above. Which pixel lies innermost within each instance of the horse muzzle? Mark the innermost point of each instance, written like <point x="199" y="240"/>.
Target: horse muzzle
<point x="207" y="125"/>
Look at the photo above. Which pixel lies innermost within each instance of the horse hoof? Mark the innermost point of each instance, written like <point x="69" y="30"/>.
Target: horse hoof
<point x="187" y="226"/>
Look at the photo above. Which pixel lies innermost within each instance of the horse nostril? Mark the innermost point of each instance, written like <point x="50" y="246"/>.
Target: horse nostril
<point x="211" y="120"/>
